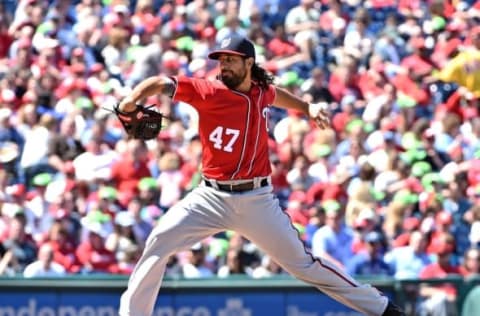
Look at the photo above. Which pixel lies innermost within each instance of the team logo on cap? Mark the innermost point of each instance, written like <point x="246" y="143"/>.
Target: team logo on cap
<point x="225" y="42"/>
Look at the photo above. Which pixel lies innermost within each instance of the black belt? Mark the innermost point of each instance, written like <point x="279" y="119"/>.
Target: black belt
<point x="241" y="187"/>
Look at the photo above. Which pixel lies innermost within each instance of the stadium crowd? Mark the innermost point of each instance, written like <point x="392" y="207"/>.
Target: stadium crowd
<point x="391" y="189"/>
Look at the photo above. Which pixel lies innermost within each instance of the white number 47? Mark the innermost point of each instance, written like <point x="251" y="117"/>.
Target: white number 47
<point x="216" y="137"/>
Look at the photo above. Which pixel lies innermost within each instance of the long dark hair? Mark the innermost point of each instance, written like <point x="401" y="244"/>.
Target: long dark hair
<point x="261" y="76"/>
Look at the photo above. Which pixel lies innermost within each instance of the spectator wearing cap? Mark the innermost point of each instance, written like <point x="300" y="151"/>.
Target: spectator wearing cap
<point x="440" y="299"/>
<point x="410" y="224"/>
<point x="45" y="265"/>
<point x="297" y="208"/>
<point x="149" y="192"/>
<point x="13" y="199"/>
<point x="443" y="225"/>
<point x="122" y="238"/>
<point x="333" y="241"/>
<point x="39" y="218"/>
<point x="370" y="262"/>
<point x="106" y="201"/>
<point x="365" y="223"/>
<point x="91" y="252"/>
<point x="407" y="262"/>
<point x="196" y="265"/>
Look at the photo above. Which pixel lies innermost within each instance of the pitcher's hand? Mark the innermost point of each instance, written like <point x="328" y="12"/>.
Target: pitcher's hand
<point x="320" y="114"/>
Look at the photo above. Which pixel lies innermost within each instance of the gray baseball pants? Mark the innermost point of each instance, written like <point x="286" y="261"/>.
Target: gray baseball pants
<point x="258" y="217"/>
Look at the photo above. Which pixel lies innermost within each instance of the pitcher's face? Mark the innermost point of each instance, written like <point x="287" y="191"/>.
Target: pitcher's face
<point x="233" y="70"/>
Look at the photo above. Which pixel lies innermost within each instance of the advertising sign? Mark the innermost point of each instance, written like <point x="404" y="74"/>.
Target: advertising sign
<point x="80" y="303"/>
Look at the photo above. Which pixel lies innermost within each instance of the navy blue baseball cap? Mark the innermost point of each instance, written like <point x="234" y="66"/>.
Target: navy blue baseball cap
<point x="235" y="45"/>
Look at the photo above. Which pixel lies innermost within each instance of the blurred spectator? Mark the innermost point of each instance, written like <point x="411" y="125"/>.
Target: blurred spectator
<point x="170" y="179"/>
<point x="471" y="263"/>
<point x="144" y="219"/>
<point x="462" y="68"/>
<point x="302" y="25"/>
<point x="298" y="177"/>
<point x="127" y="171"/>
<point x="316" y="89"/>
<point x="370" y="262"/>
<point x="63" y="246"/>
<point x="64" y="147"/>
<point x="267" y="269"/>
<point x="407" y="262"/>
<point x="34" y="159"/>
<point x="21" y="249"/>
<point x="6" y="257"/>
<point x="236" y="263"/>
<point x="315" y="221"/>
<point x="440" y="299"/>
<point x="196" y="266"/>
<point x="91" y="252"/>
<point x="122" y="240"/>
<point x="333" y="241"/>
<point x="45" y="266"/>
<point x="96" y="162"/>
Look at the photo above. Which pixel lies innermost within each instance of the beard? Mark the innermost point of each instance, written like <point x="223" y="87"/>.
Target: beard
<point x="233" y="80"/>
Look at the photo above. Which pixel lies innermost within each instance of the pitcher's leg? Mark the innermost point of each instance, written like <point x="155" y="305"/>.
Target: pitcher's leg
<point x="270" y="228"/>
<point x="181" y="227"/>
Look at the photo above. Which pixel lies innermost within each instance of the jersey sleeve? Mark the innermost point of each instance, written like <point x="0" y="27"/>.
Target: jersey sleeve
<point x="193" y="91"/>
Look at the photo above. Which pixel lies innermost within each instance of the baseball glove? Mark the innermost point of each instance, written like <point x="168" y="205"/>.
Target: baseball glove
<point x="142" y="123"/>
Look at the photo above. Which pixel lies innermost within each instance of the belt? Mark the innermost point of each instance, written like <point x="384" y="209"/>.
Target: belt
<point x="240" y="187"/>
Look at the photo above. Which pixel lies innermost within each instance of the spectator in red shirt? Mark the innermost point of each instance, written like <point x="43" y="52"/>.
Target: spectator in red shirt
<point x="344" y="80"/>
<point x="440" y="299"/>
<point x="92" y="254"/>
<point x="63" y="248"/>
<point x="127" y="172"/>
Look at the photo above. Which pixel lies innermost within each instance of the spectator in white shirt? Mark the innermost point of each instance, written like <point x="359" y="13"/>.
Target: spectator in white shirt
<point x="44" y="266"/>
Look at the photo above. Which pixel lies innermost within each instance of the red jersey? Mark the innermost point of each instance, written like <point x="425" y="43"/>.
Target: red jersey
<point x="232" y="127"/>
